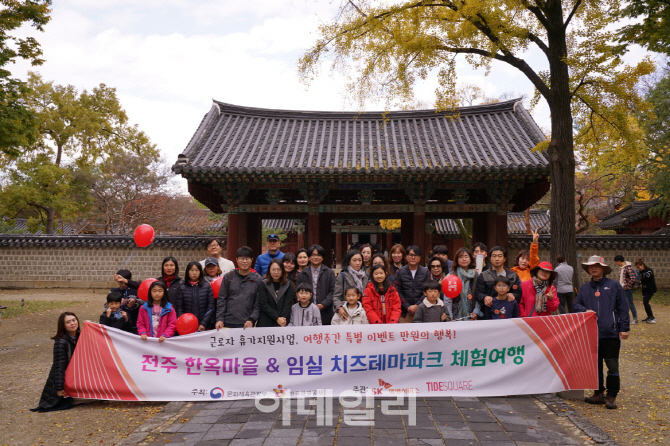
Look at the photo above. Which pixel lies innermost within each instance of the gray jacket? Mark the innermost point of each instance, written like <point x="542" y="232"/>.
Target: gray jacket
<point x="238" y="299"/>
<point x="563" y="281"/>
<point x="305" y="317"/>
<point x="344" y="281"/>
<point x="426" y="312"/>
<point x="357" y="316"/>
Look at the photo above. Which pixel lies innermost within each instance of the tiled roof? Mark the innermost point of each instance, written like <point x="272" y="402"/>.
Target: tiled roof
<point x="486" y="138"/>
<point x="663" y="231"/>
<point x="516" y="223"/>
<point x="98" y="241"/>
<point x="446" y="226"/>
<point x="599" y="242"/>
<point x="539" y="221"/>
<point x="21" y="227"/>
<point x="285" y="224"/>
<point x="630" y="214"/>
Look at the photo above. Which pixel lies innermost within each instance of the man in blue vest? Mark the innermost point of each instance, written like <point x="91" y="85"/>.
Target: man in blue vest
<point x="263" y="260"/>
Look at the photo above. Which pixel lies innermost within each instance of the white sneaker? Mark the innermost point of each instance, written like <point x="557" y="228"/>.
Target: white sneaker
<point x="651" y="321"/>
<point x="634" y="322"/>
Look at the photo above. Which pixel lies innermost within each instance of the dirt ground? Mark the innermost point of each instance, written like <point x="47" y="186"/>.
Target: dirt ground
<point x="644" y="402"/>
<point x="24" y="371"/>
<point x="643" y="416"/>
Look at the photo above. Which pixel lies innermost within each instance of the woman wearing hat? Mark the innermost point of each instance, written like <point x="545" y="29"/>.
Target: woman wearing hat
<point x="538" y="295"/>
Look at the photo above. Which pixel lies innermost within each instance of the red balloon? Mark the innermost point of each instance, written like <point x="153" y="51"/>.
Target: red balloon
<point x="452" y="286"/>
<point x="216" y="286"/>
<point x="144" y="236"/>
<point x="143" y="290"/>
<point x="187" y="324"/>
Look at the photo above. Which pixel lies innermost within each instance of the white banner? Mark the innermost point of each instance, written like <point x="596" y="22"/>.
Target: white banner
<point x="483" y="358"/>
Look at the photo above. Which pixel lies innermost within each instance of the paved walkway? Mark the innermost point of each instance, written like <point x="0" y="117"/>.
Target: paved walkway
<point x="522" y="421"/>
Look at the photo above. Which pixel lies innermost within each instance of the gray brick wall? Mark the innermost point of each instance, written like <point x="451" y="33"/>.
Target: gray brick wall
<point x="86" y="266"/>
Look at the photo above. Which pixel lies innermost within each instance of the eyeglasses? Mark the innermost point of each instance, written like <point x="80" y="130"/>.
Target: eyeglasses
<point x="436" y="266"/>
<point x="244" y="259"/>
<point x="315" y="255"/>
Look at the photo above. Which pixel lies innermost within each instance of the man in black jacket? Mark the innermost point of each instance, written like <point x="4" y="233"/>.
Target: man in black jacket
<point x="606" y="298"/>
<point x="408" y="282"/>
<point x="485" y="289"/>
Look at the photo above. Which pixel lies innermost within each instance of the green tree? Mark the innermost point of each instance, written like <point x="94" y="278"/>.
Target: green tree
<point x="657" y="129"/>
<point x="17" y="123"/>
<point x="653" y="32"/>
<point x="76" y="132"/>
<point x="387" y="49"/>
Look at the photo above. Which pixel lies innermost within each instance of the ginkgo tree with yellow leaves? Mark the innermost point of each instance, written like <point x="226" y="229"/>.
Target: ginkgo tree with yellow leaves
<point x="388" y="47"/>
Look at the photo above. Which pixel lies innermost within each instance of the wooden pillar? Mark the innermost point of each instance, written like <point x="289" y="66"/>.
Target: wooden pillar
<point x="313" y="226"/>
<point x="232" y="241"/>
<point x="480" y="229"/>
<point x="501" y="229"/>
<point x="428" y="243"/>
<point x="389" y="241"/>
<point x="339" y="253"/>
<point x="255" y="234"/>
<point x="419" y="229"/>
<point x="407" y="231"/>
<point x="491" y="224"/>
<point x="325" y="235"/>
<point x="300" y="230"/>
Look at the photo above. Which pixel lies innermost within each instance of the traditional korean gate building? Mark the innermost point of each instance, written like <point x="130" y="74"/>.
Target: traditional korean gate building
<point x="321" y="167"/>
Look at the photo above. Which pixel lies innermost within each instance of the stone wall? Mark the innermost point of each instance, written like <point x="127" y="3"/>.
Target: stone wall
<point x="87" y="261"/>
<point x="653" y="250"/>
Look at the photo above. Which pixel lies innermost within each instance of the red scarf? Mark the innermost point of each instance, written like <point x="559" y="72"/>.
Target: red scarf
<point x="168" y="280"/>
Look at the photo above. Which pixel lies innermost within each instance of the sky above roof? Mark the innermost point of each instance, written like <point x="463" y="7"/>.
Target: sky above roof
<point x="169" y="58"/>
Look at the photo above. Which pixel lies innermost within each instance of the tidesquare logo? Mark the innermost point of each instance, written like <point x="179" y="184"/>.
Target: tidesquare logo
<point x="279" y="391"/>
<point x="216" y="393"/>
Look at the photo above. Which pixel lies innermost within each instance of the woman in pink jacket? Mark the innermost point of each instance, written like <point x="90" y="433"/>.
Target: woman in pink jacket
<point x="538" y="295"/>
<point x="157" y="318"/>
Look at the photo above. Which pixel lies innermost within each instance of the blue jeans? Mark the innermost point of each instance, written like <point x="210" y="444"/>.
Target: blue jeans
<point x="631" y="305"/>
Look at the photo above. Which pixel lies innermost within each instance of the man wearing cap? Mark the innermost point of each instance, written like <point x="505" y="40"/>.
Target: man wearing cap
<point x="273" y="252"/>
<point x="606" y="298"/>
<point x="214" y="250"/>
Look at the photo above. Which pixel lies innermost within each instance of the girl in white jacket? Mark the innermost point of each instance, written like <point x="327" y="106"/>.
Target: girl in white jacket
<point x="354" y="309"/>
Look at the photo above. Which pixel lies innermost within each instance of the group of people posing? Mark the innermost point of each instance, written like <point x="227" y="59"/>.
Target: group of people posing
<point x="287" y="289"/>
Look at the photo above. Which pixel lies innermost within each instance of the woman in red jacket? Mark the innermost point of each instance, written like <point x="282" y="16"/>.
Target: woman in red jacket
<point x="538" y="295"/>
<point x="380" y="299"/>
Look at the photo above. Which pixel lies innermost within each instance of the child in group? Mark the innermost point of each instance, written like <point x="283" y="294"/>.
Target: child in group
<point x="380" y="299"/>
<point x="114" y="316"/>
<point x="195" y="296"/>
<point x="353" y="307"/>
<point x="305" y="313"/>
<point x="502" y="308"/>
<point x="130" y="302"/>
<point x="212" y="270"/>
<point x="432" y="309"/>
<point x="157" y="318"/>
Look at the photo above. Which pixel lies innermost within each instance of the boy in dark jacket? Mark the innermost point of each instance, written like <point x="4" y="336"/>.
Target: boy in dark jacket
<point x="114" y="317"/>
<point x="130" y="303"/>
<point x="606" y="298"/>
<point x="648" y="289"/>
<point x="502" y="307"/>
<point x="432" y="309"/>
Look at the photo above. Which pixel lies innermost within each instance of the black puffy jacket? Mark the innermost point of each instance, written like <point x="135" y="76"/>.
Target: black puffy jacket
<point x="271" y="308"/>
<point x="197" y="300"/>
<point x="63" y="351"/>
<point x="174" y="290"/>
<point x="408" y="287"/>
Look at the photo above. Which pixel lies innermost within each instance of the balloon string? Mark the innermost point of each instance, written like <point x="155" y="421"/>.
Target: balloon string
<point x="131" y="254"/>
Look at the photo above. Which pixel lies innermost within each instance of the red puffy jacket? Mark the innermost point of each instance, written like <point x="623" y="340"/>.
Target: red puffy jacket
<point x="372" y="302"/>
